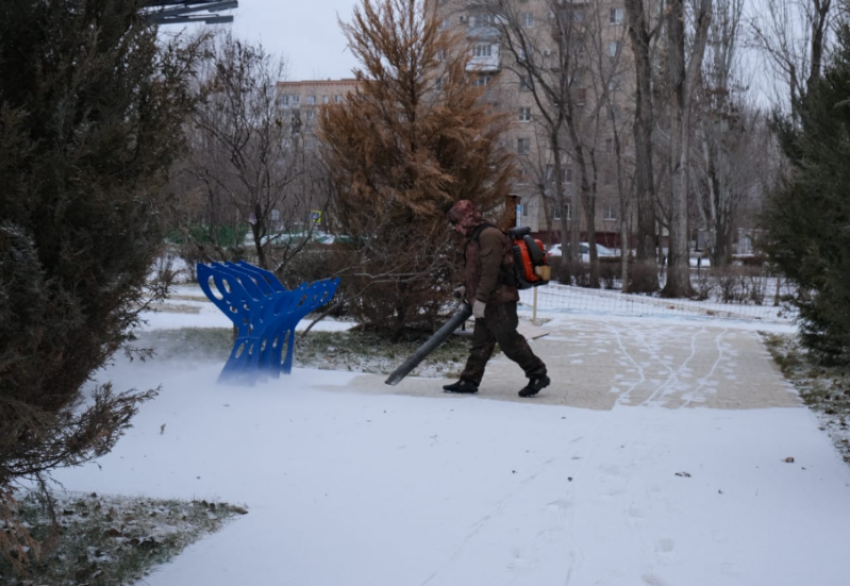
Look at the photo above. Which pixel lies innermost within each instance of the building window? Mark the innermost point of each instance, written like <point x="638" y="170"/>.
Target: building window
<point x="613" y="48"/>
<point x="524" y="115"/>
<point x="524" y="210"/>
<point x="275" y="215"/>
<point x="480" y="20"/>
<point x="438" y="85"/>
<point x="482" y="80"/>
<point x="521" y="176"/>
<point x="610" y="212"/>
<point x="284" y="99"/>
<point x="568" y="174"/>
<point x="326" y="99"/>
<point x="581" y="96"/>
<point x="527" y="19"/>
<point x="523" y="146"/>
<point x="311" y="114"/>
<point x="556" y="215"/>
<point x="577" y="15"/>
<point x="615" y="16"/>
<point x="311" y="100"/>
<point x="296" y="100"/>
<point x="524" y="83"/>
<point x="482" y="50"/>
<point x="337" y="99"/>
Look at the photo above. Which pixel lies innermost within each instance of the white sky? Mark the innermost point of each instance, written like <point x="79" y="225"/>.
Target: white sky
<point x="305" y="33"/>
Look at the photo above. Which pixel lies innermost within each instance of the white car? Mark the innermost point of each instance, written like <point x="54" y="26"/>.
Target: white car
<point x="701" y="262"/>
<point x="602" y="251"/>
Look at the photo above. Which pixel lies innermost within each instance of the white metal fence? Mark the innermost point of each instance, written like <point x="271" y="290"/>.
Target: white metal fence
<point x="758" y="300"/>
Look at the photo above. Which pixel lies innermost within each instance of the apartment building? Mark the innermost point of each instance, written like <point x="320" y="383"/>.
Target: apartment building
<point x="302" y="99"/>
<point x="537" y="58"/>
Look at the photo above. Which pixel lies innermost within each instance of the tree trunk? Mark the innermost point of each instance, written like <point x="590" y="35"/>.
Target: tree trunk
<point x="683" y="79"/>
<point x="644" y="181"/>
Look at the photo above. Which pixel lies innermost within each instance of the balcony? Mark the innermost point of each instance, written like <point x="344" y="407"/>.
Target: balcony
<point x="485" y="58"/>
<point x="485" y="64"/>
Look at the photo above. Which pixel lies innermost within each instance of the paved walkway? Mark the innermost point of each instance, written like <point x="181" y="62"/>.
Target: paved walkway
<point x="598" y="363"/>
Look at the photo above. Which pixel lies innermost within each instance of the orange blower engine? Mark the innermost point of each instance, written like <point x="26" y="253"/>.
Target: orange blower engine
<point x="530" y="263"/>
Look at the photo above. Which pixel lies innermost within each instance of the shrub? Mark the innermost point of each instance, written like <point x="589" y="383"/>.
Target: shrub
<point x="91" y="111"/>
<point x="807" y="215"/>
<point x="643" y="277"/>
<point x="609" y="274"/>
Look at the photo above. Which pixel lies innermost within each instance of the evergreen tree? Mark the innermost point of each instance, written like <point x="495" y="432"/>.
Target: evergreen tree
<point x="808" y="217"/>
<point x="410" y="142"/>
<point x="90" y="120"/>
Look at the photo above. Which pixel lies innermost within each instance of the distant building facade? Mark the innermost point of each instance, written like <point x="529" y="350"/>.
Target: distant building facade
<point x="303" y="98"/>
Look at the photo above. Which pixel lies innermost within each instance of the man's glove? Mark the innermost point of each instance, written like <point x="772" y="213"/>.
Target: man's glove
<point x="478" y="309"/>
<point x="459" y="292"/>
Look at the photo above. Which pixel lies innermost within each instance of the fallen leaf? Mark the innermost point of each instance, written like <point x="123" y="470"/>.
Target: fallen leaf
<point x="683" y="474"/>
<point x="788" y="460"/>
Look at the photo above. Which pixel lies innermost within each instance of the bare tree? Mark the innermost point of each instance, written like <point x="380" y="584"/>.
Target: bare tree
<point x="568" y="68"/>
<point x="725" y="130"/>
<point x="683" y="74"/>
<point x="248" y="164"/>
<point x="545" y="66"/>
<point x="793" y="35"/>
<point x="641" y="35"/>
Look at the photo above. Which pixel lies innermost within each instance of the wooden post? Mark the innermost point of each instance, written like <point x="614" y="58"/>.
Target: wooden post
<point x="509" y="214"/>
<point x="534" y="308"/>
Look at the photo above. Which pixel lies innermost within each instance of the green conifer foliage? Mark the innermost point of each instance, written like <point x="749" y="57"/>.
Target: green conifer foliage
<point x="808" y="216"/>
<point x="91" y="110"/>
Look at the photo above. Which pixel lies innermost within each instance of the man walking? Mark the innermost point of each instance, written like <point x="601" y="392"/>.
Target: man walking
<point x="491" y="291"/>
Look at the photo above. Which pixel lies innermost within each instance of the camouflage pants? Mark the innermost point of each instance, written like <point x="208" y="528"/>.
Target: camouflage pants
<point x="500" y="326"/>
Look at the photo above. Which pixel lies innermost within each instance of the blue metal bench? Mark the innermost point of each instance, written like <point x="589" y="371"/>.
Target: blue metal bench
<point x="265" y="314"/>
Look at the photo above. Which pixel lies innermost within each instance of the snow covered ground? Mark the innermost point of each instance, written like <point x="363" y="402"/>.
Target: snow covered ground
<point x="371" y="488"/>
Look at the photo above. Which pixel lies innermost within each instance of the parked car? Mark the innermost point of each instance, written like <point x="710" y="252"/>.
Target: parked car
<point x="700" y="262"/>
<point x="604" y="253"/>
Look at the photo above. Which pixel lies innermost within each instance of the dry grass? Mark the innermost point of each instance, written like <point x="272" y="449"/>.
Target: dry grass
<point x="825" y="390"/>
<point x="354" y="351"/>
<point x="109" y="541"/>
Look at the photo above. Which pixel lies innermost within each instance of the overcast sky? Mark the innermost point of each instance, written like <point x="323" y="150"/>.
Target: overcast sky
<point x="305" y="33"/>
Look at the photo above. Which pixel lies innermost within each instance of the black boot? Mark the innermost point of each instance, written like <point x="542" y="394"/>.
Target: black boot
<point x="461" y="386"/>
<point x="534" y="386"/>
